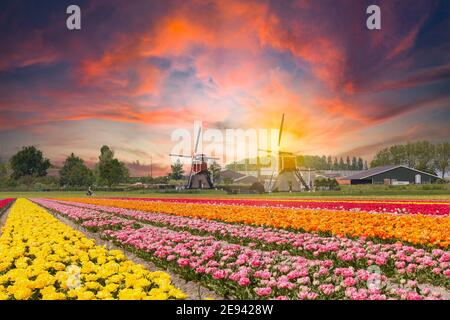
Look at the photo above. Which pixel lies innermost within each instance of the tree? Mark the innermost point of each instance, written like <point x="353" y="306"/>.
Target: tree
<point x="442" y="158"/>
<point x="106" y="154"/>
<point x="3" y="174"/>
<point x="419" y="155"/>
<point x="177" y="170"/>
<point x="29" y="162"/>
<point x="366" y="166"/>
<point x="329" y="163"/>
<point x="348" y="164"/>
<point x="215" y="169"/>
<point x="113" y="172"/>
<point x="360" y="164"/>
<point x="424" y="152"/>
<point x="323" y="163"/>
<point x="110" y="170"/>
<point x="382" y="158"/>
<point x="335" y="164"/>
<point x="341" y="165"/>
<point x="354" y="165"/>
<point x="74" y="173"/>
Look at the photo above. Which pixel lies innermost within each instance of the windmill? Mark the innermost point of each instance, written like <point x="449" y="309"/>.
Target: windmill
<point x="199" y="176"/>
<point x="288" y="177"/>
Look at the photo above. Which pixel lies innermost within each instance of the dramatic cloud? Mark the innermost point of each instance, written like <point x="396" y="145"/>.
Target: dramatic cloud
<point x="138" y="70"/>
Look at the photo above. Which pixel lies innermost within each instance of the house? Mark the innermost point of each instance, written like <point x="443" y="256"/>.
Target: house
<point x="390" y="174"/>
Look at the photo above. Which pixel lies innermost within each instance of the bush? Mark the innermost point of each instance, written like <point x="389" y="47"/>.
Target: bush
<point x="258" y="187"/>
<point x="326" y="184"/>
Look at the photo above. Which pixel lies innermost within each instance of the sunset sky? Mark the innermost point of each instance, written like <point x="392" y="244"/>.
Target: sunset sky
<point x="140" y="69"/>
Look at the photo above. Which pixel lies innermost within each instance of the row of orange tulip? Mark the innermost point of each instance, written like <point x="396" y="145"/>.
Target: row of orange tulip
<point x="415" y="229"/>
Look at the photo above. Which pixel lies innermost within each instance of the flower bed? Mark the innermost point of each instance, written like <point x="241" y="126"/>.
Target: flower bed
<point x="395" y="260"/>
<point x="4" y="204"/>
<point x="44" y="259"/>
<point x="245" y="272"/>
<point x="414" y="229"/>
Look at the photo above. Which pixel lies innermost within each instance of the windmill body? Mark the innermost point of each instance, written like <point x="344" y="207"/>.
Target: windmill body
<point x="287" y="176"/>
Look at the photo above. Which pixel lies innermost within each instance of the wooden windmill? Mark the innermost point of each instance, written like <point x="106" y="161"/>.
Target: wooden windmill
<point x="199" y="175"/>
<point x="286" y="176"/>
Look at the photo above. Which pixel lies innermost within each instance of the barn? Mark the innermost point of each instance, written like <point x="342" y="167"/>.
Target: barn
<point x="391" y="174"/>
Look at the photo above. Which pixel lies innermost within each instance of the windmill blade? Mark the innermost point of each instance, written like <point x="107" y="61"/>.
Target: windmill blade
<point x="190" y="172"/>
<point x="179" y="155"/>
<point x="281" y="130"/>
<point x="264" y="150"/>
<point x="270" y="181"/>
<point x="190" y="176"/>
<point x="198" y="139"/>
<point x="210" y="158"/>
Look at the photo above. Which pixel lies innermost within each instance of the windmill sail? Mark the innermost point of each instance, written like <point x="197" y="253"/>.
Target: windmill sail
<point x="281" y="131"/>
<point x="193" y="157"/>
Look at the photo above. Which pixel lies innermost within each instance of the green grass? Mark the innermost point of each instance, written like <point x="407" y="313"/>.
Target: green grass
<point x="368" y="191"/>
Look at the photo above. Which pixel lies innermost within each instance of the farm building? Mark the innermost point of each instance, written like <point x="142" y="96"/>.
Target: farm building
<point x="391" y="174"/>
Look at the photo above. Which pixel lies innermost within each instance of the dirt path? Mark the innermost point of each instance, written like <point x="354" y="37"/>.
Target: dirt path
<point x="194" y="290"/>
<point x="3" y="218"/>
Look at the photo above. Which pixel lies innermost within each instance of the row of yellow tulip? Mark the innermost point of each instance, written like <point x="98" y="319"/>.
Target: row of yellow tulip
<point x="416" y="229"/>
<point x="42" y="258"/>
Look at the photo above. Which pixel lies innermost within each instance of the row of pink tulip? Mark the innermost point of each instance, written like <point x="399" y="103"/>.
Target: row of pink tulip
<point x="85" y="217"/>
<point x="244" y="272"/>
<point x="395" y="260"/>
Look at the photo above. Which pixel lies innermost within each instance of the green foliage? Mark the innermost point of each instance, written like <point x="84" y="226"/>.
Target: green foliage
<point x="215" y="169"/>
<point x="146" y="180"/>
<point x="74" y="173"/>
<point x="306" y="161"/>
<point x="341" y="164"/>
<point x="29" y="162"/>
<point x="442" y="158"/>
<point x="32" y="183"/>
<point x="177" y="170"/>
<point x="161" y="180"/>
<point x="258" y="187"/>
<point x="421" y="155"/>
<point x="106" y="154"/>
<point x="326" y="184"/>
<point x="249" y="164"/>
<point x="360" y="164"/>
<point x="110" y="171"/>
<point x="3" y="174"/>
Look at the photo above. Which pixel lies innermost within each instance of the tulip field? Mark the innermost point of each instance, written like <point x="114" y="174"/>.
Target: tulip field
<point x="240" y="249"/>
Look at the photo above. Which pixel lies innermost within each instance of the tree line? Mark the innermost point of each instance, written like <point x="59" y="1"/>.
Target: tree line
<point x="29" y="166"/>
<point x="422" y="155"/>
<point x="331" y="163"/>
<point x="307" y="161"/>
